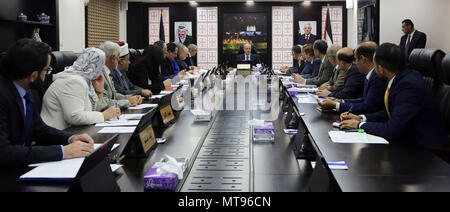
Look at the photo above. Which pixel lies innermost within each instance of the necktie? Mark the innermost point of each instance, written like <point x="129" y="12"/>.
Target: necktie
<point x="408" y="42"/>
<point x="307" y="39"/>
<point x="386" y="102"/>
<point x="28" y="118"/>
<point x="366" y="85"/>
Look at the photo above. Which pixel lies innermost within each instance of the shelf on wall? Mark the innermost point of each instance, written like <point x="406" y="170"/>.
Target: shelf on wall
<point x="27" y="22"/>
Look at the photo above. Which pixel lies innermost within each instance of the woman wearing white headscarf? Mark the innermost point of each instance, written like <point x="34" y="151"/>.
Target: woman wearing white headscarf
<point x="72" y="97"/>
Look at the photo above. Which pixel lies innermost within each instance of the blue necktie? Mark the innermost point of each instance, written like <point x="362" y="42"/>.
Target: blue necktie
<point x="28" y="117"/>
<point x="366" y="85"/>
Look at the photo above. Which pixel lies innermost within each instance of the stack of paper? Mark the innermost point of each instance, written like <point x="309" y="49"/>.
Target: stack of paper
<point x="355" y="138"/>
<point x="157" y="96"/>
<point x="303" y="90"/>
<point x="306" y="99"/>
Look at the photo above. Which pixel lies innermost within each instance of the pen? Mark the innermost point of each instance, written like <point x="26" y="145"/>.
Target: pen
<point x="359" y="130"/>
<point x="116" y="105"/>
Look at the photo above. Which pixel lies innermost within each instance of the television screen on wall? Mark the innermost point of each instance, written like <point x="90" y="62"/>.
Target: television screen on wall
<point x="241" y="28"/>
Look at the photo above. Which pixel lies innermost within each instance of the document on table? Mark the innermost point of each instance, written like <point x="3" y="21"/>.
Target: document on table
<point x="132" y="116"/>
<point x="278" y="72"/>
<point x="65" y="170"/>
<point x="157" y="96"/>
<point x="118" y="123"/>
<point x="96" y="146"/>
<point x="303" y="90"/>
<point x="143" y="106"/>
<point x="355" y="138"/>
<point x="114" y="130"/>
<point x="306" y="99"/>
<point x="165" y="92"/>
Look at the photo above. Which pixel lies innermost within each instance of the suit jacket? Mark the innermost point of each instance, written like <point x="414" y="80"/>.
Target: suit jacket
<point x="302" y="39"/>
<point x="325" y="72"/>
<point x="189" y="61"/>
<point x="123" y="84"/>
<point x="415" y="117"/>
<point x="140" y="74"/>
<point x="337" y="80"/>
<point x="296" y="69"/>
<point x="353" y="85"/>
<point x="254" y="58"/>
<point x="67" y="103"/>
<point x="110" y="94"/>
<point x="182" y="65"/>
<point x="372" y="99"/>
<point x="311" y="70"/>
<point x="13" y="152"/>
<point x="418" y="41"/>
<point x="167" y="69"/>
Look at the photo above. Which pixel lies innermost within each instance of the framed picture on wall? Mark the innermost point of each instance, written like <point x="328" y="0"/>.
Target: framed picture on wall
<point x="183" y="32"/>
<point x="307" y="32"/>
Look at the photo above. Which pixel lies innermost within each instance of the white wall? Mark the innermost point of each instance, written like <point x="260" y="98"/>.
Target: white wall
<point x="71" y="25"/>
<point x="429" y="16"/>
<point x="352" y="28"/>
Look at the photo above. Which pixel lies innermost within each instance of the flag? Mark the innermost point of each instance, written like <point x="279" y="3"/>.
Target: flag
<point x="328" y="34"/>
<point x="161" y="28"/>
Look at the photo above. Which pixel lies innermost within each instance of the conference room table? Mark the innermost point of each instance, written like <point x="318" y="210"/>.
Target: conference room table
<point x="399" y="167"/>
<point x="223" y="157"/>
<point x="267" y="167"/>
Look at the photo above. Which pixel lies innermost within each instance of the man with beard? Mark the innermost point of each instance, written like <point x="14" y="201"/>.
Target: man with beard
<point x="410" y="115"/>
<point x="24" y="137"/>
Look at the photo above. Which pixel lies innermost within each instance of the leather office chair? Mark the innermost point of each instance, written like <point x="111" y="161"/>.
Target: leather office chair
<point x="60" y="60"/>
<point x="134" y="55"/>
<point x="428" y="62"/>
<point x="446" y="69"/>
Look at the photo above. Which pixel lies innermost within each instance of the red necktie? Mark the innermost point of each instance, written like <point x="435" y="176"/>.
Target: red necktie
<point x="307" y="39"/>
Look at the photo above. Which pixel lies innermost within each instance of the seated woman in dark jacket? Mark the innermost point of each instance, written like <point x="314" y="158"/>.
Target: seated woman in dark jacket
<point x="146" y="73"/>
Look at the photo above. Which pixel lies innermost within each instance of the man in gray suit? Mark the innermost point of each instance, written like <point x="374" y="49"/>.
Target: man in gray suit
<point x="111" y="97"/>
<point x="120" y="79"/>
<point x="325" y="70"/>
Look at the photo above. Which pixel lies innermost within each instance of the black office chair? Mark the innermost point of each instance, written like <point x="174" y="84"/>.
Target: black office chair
<point x="446" y="69"/>
<point x="428" y="62"/>
<point x="60" y="60"/>
<point x="141" y="51"/>
<point x="134" y="55"/>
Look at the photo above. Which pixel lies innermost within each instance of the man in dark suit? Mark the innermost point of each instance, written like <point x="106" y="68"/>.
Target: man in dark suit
<point x="24" y="137"/>
<point x="308" y="37"/>
<point x="411" y="114"/>
<point x="248" y="56"/>
<point x="374" y="88"/>
<point x="413" y="39"/>
<point x="192" y="52"/>
<point x="353" y="82"/>
<point x="169" y="67"/>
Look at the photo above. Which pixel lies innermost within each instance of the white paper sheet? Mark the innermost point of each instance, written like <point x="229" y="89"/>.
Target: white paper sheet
<point x="114" y="130"/>
<point x="96" y="146"/>
<point x="143" y="106"/>
<point x="118" y="123"/>
<point x="132" y="116"/>
<point x="156" y="97"/>
<point x="355" y="138"/>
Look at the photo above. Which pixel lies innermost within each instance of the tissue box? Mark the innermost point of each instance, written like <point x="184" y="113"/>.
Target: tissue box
<point x="202" y="115"/>
<point x="264" y="133"/>
<point x="293" y="93"/>
<point x="160" y="181"/>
